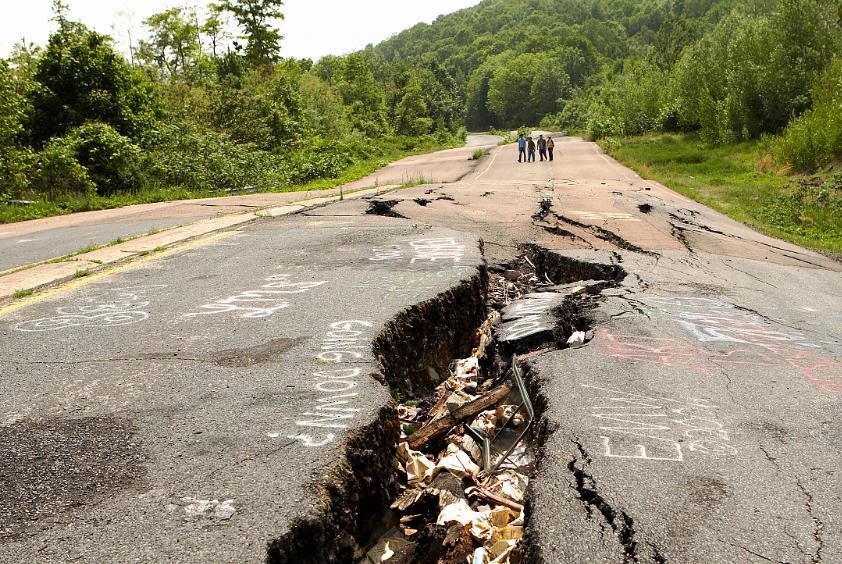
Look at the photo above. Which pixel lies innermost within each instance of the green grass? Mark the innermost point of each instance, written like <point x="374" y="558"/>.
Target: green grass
<point x="388" y="152"/>
<point x="81" y="273"/>
<point x="478" y="154"/>
<point x="22" y="294"/>
<point x="743" y="182"/>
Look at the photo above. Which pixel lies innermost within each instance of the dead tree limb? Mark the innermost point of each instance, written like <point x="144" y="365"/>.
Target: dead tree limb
<point x="435" y="429"/>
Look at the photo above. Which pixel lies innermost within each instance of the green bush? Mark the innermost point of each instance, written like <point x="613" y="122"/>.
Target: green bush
<point x="603" y="123"/>
<point x="57" y="173"/>
<point x="815" y="139"/>
<point x="182" y="155"/>
<point x="113" y="162"/>
<point x="322" y="160"/>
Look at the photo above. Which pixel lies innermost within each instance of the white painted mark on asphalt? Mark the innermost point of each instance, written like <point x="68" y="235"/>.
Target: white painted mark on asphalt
<point x="528" y="316"/>
<point x="657" y="428"/>
<point x="120" y="306"/>
<point x="26" y="240"/>
<point x="433" y="250"/>
<point x="605" y="216"/>
<point x="392" y="252"/>
<point x="490" y="164"/>
<point x="710" y="320"/>
<point x="213" y="508"/>
<point x="269" y="296"/>
<point x="344" y="342"/>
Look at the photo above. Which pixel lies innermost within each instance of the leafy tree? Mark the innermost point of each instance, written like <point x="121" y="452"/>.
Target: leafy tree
<point x="363" y="95"/>
<point x="81" y="78"/>
<point x="527" y="88"/>
<point x="266" y="111"/>
<point x="112" y="162"/>
<point x="255" y="18"/>
<point x="174" y="44"/>
<point x="323" y="108"/>
<point x="14" y="159"/>
<point x="214" y="28"/>
<point x="411" y="112"/>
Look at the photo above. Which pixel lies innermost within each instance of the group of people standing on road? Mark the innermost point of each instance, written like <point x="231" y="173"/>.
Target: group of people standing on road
<point x="527" y="145"/>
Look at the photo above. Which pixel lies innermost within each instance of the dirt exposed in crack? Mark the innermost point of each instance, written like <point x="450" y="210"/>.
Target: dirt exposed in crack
<point x="416" y="348"/>
<point x="545" y="213"/>
<point x="384" y="208"/>
<point x="645" y="208"/>
<point x="350" y="499"/>
<point x="423" y="202"/>
<point x="414" y="351"/>
<point x="621" y="524"/>
<point x="417" y="352"/>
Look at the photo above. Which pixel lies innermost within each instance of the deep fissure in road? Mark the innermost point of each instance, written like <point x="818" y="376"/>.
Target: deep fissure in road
<point x="375" y="501"/>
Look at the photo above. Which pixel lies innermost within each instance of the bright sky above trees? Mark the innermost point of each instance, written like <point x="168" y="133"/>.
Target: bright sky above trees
<point x="312" y="29"/>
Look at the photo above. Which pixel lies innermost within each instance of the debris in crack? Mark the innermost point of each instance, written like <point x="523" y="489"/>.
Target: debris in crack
<point x="463" y="493"/>
<point x="384" y="208"/>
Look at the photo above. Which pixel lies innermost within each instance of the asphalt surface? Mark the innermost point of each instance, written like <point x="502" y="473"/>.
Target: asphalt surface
<point x="701" y="423"/>
<point x="19" y="250"/>
<point x="180" y="410"/>
<point x="33" y="241"/>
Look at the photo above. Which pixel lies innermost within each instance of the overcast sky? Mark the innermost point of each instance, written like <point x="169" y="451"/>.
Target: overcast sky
<point x="312" y="28"/>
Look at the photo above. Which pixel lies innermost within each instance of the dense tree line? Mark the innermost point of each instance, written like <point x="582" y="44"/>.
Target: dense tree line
<point x="198" y="109"/>
<point x="728" y="69"/>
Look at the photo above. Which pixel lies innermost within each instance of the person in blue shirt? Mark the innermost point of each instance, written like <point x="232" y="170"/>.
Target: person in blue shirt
<point x="521" y="148"/>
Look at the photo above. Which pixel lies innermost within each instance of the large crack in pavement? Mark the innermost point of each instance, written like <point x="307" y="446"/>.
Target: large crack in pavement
<point x="621" y="524"/>
<point x="546" y="211"/>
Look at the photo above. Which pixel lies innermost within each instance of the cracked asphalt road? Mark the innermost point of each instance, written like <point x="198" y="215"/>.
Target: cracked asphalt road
<point x="701" y="424"/>
<point x="32" y="241"/>
<point x="184" y="408"/>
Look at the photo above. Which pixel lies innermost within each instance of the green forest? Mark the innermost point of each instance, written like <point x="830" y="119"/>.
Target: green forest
<point x="730" y="70"/>
<point x="197" y="110"/>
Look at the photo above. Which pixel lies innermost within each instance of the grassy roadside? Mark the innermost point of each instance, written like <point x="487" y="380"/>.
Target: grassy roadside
<point x="13" y="212"/>
<point x="743" y="182"/>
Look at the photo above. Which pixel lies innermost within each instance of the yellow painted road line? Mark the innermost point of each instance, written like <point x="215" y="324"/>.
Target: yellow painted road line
<point x="108" y="271"/>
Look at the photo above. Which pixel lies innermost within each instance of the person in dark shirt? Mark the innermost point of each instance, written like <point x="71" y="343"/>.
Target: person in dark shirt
<point x="542" y="147"/>
<point x="531" y="147"/>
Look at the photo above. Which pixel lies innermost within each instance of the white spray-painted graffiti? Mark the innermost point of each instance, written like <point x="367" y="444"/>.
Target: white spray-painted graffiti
<point x="116" y="307"/>
<point x="343" y="343"/>
<point x="711" y="320"/>
<point x="657" y="428"/>
<point x="529" y="316"/>
<point x="434" y="250"/>
<point x="422" y="250"/>
<point x="269" y="297"/>
<point x="414" y="282"/>
<point x="392" y="252"/>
